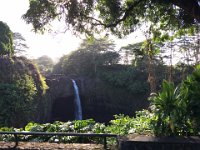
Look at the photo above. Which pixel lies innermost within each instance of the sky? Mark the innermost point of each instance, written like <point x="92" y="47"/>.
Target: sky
<point x="51" y="44"/>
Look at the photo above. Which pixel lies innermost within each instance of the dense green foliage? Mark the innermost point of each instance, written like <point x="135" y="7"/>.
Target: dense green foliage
<point x="191" y="87"/>
<point x="6" y="40"/>
<point x="169" y="110"/>
<point x="21" y="90"/>
<point x="175" y="110"/>
<point x="132" y="79"/>
<point x="17" y="101"/>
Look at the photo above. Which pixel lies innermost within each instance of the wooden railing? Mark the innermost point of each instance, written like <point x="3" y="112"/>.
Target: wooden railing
<point x="104" y="136"/>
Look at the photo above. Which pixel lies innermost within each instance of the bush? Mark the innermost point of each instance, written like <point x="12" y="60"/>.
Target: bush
<point x="78" y="126"/>
<point x="16" y="101"/>
<point x="191" y="86"/>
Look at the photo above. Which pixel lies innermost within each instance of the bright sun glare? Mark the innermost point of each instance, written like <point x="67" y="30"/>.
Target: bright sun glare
<point x="48" y="44"/>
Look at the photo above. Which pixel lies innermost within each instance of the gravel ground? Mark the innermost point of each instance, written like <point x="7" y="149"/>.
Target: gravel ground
<point x="49" y="146"/>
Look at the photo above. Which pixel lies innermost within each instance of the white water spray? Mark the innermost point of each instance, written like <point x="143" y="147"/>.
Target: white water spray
<point x="78" y="108"/>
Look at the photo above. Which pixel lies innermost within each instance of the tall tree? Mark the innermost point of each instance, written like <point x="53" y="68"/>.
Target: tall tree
<point x="132" y="53"/>
<point x="20" y="45"/>
<point x="6" y="40"/>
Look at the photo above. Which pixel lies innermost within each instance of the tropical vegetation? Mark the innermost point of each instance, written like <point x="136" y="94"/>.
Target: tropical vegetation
<point x="173" y="111"/>
<point x="144" y="68"/>
<point x="21" y="88"/>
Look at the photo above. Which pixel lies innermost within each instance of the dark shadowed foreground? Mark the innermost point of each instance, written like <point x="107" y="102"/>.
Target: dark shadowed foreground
<point x="144" y="142"/>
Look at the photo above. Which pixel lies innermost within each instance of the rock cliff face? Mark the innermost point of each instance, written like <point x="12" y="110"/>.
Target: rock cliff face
<point x="99" y="100"/>
<point x="61" y="98"/>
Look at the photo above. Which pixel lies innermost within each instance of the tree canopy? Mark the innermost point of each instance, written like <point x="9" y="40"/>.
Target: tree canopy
<point x="120" y="17"/>
<point x="45" y="64"/>
<point x="87" y="59"/>
<point x="6" y="39"/>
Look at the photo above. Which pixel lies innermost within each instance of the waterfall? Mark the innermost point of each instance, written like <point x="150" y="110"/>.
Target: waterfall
<point x="78" y="108"/>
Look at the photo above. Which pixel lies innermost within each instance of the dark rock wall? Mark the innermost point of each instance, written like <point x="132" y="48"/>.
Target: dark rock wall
<point x="63" y="109"/>
<point x="99" y="100"/>
<point x="61" y="98"/>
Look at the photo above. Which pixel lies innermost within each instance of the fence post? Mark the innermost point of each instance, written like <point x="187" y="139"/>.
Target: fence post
<point x="16" y="141"/>
<point x="105" y="143"/>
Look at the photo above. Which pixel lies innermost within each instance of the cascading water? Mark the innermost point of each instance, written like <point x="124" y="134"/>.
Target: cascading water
<point x="78" y="108"/>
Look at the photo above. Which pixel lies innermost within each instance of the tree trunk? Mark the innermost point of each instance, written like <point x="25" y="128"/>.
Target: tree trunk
<point x="151" y="76"/>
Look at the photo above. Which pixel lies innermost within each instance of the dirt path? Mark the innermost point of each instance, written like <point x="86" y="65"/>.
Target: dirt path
<point x="49" y="146"/>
